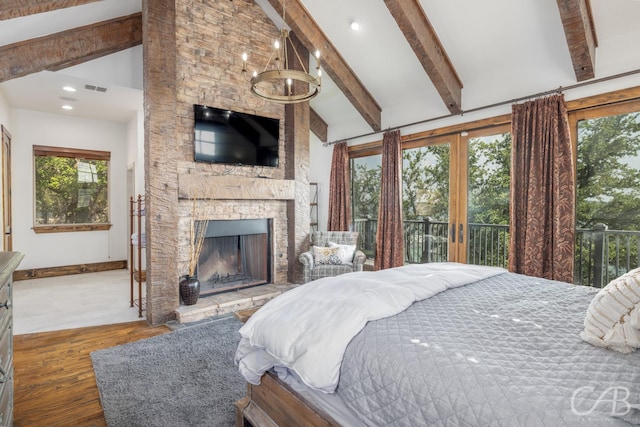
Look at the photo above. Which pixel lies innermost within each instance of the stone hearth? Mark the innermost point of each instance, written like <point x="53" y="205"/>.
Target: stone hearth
<point x="230" y="302"/>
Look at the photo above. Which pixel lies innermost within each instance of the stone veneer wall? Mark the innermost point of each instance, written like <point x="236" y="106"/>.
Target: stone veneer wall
<point x="228" y="205"/>
<point x="192" y="55"/>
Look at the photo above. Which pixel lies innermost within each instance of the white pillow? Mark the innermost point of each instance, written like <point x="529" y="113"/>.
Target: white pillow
<point x="613" y="317"/>
<point x="345" y="252"/>
<point x="325" y="256"/>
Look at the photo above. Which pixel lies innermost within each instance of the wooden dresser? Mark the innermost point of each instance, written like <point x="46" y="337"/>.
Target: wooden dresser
<point x="8" y="263"/>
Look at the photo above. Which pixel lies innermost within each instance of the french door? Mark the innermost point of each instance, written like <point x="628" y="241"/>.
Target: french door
<point x="455" y="196"/>
<point x="426" y="201"/>
<point x="479" y="197"/>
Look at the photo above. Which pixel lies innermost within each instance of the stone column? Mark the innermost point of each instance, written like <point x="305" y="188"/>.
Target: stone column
<point x="297" y="169"/>
<point x="160" y="159"/>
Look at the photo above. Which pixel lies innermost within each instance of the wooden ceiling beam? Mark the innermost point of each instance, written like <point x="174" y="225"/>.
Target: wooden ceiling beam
<point x="422" y="38"/>
<point x="318" y="126"/>
<point x="312" y="37"/>
<point x="60" y="50"/>
<point x="580" y="32"/>
<point x="10" y="9"/>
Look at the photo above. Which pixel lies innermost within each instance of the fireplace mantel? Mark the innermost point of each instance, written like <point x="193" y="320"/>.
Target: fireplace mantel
<point x="230" y="187"/>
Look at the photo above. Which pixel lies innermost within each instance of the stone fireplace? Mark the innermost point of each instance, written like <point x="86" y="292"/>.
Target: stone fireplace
<point x="235" y="254"/>
<point x="182" y="67"/>
<point x="251" y="245"/>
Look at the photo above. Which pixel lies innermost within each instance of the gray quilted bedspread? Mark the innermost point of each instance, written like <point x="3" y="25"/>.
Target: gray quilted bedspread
<point x="504" y="351"/>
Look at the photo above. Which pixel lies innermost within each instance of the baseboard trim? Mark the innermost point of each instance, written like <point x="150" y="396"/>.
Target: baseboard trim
<point x="38" y="273"/>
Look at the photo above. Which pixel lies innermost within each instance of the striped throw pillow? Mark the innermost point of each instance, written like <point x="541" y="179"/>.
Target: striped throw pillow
<point x="613" y="317"/>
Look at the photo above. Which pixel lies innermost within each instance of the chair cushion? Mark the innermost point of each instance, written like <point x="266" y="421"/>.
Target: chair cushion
<point x="345" y="252"/>
<point x="321" y="271"/>
<point x="325" y="256"/>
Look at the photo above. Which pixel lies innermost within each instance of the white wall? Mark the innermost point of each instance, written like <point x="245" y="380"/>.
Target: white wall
<point x="319" y="171"/>
<point x="135" y="149"/>
<point x="4" y="111"/>
<point x="135" y="160"/>
<point x="123" y="68"/>
<point x="59" y="249"/>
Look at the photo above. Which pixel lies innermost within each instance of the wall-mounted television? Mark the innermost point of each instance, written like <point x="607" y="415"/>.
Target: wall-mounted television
<point x="224" y="136"/>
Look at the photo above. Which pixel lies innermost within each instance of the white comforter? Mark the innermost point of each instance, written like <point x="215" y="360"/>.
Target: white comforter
<point x="307" y="329"/>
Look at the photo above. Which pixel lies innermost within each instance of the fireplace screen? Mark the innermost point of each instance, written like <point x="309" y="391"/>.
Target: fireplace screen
<point x="234" y="260"/>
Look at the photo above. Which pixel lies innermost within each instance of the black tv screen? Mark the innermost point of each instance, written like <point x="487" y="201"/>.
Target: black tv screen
<point x="224" y="136"/>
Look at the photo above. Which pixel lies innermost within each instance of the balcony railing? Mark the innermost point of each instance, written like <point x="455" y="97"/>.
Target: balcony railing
<point x="601" y="255"/>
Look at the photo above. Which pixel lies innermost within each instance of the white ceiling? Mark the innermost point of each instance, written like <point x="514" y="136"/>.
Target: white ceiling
<point x="501" y="49"/>
<point x="119" y="73"/>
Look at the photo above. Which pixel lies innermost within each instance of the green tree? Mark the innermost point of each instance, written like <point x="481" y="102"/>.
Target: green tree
<point x="365" y="188"/>
<point x="425" y="176"/>
<point x="71" y="191"/>
<point x="608" y="172"/>
<point x="489" y="179"/>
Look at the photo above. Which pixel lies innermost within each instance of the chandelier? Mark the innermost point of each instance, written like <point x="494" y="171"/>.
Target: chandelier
<point x="276" y="82"/>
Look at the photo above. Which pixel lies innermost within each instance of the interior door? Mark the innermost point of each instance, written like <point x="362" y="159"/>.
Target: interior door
<point x="6" y="189"/>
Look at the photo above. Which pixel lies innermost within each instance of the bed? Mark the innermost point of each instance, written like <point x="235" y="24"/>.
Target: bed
<point x="433" y="344"/>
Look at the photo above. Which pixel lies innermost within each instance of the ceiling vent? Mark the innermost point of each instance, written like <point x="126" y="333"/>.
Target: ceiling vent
<point x="96" y="88"/>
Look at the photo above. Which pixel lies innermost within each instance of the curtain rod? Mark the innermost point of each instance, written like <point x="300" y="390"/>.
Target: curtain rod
<point x="497" y="104"/>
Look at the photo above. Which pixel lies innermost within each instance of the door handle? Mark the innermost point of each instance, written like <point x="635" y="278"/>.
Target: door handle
<point x="453" y="233"/>
<point x="461" y="236"/>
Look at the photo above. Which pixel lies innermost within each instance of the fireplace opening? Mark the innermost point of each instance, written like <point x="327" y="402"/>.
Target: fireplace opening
<point x="235" y="254"/>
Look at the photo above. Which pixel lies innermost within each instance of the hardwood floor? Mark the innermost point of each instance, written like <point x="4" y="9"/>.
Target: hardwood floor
<point x="54" y="381"/>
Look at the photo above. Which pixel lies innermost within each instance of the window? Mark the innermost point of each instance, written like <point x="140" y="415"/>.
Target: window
<point x="365" y="190"/>
<point x="607" y="192"/>
<point x="71" y="189"/>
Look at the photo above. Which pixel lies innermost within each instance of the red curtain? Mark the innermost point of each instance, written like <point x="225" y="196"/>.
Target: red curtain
<point x="389" y="236"/>
<point x="542" y="190"/>
<point x="339" y="190"/>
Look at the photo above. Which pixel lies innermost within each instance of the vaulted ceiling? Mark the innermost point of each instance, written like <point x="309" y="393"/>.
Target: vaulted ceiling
<point x="412" y="60"/>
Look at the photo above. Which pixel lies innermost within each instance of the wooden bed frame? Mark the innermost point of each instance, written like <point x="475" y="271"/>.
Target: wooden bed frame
<point x="274" y="404"/>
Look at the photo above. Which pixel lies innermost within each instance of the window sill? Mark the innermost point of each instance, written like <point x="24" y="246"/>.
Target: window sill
<point x="68" y="228"/>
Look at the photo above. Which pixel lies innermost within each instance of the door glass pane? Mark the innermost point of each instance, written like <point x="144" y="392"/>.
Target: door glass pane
<point x="425" y="202"/>
<point x="488" y="200"/>
<point x="608" y="198"/>
<point x="365" y="198"/>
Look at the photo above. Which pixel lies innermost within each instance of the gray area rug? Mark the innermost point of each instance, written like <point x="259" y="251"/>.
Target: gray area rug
<point x="183" y="378"/>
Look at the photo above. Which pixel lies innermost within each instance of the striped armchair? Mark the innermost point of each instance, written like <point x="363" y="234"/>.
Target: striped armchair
<point x="332" y="253"/>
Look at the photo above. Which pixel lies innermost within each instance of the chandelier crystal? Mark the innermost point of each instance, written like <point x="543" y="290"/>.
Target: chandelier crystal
<point x="276" y="82"/>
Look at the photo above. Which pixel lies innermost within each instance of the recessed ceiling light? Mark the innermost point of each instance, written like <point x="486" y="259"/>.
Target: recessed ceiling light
<point x="69" y="88"/>
<point x="355" y="25"/>
<point x="67" y="107"/>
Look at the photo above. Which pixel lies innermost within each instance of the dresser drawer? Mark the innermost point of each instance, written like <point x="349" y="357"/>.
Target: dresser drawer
<point x="6" y="400"/>
<point x="5" y="302"/>
<point x="6" y="346"/>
